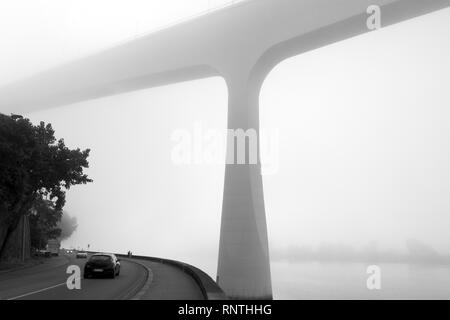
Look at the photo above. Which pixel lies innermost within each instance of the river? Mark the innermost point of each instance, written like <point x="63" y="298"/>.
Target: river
<point x="347" y="280"/>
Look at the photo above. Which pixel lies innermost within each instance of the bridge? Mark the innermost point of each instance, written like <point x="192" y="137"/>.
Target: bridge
<point x="241" y="43"/>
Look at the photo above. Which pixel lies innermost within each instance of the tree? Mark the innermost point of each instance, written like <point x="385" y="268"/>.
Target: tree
<point x="34" y="166"/>
<point x="44" y="221"/>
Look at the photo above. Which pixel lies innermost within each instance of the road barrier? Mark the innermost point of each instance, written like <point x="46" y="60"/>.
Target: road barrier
<point x="210" y="289"/>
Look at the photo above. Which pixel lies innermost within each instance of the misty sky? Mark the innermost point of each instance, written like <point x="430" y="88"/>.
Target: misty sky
<point x="363" y="151"/>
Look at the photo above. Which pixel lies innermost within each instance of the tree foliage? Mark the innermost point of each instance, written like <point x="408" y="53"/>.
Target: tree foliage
<point x="44" y="221"/>
<point x="34" y="166"/>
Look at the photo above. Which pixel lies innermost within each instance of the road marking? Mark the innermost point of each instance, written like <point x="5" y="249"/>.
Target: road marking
<point x="34" y="292"/>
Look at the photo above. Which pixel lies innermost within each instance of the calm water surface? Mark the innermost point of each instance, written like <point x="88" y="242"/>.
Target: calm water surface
<point x="317" y="280"/>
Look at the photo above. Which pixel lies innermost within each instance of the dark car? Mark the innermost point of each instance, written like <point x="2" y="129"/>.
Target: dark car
<point x="43" y="253"/>
<point x="102" y="264"/>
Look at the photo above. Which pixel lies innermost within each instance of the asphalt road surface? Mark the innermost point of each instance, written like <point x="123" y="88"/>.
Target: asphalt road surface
<point x="47" y="281"/>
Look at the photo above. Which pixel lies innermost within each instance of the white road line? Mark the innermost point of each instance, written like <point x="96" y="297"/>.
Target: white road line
<point x="34" y="292"/>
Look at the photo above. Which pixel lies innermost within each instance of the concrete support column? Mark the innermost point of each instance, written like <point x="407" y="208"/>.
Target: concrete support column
<point x="243" y="269"/>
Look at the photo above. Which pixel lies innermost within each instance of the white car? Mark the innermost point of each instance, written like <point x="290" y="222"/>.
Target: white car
<point x="81" y="255"/>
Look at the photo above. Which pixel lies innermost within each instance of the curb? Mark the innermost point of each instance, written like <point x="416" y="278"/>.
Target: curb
<point x="31" y="266"/>
<point x="19" y="268"/>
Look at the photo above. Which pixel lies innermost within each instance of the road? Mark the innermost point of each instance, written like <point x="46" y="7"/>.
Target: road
<point x="169" y="283"/>
<point x="47" y="281"/>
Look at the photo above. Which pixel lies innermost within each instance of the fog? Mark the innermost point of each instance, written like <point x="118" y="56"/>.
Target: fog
<point x="68" y="225"/>
<point x="363" y="148"/>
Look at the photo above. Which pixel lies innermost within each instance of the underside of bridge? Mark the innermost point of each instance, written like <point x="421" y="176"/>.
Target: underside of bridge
<point x="241" y="43"/>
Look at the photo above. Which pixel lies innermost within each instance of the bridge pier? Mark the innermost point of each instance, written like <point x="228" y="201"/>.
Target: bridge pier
<point x="243" y="267"/>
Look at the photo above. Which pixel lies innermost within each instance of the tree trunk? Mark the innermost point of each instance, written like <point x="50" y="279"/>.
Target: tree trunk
<point x="3" y="236"/>
<point x="9" y="221"/>
<point x="17" y="243"/>
<point x="4" y="227"/>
